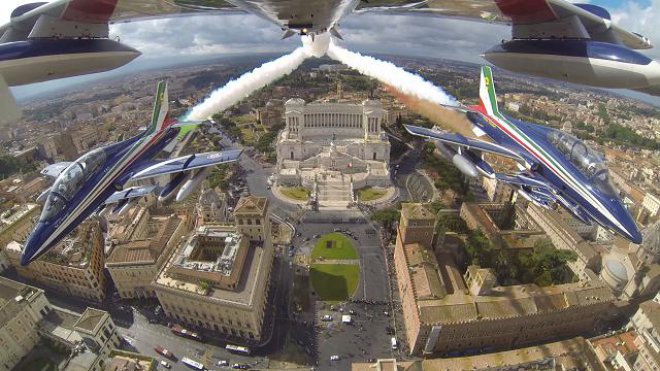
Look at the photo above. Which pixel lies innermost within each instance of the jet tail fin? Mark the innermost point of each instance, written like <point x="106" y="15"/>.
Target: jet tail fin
<point x="487" y="94"/>
<point x="159" y="118"/>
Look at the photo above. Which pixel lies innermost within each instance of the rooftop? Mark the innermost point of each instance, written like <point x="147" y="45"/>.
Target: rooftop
<point x="145" y="251"/>
<point x="568" y="355"/>
<point x="416" y="211"/>
<point x="251" y="205"/>
<point x="60" y="323"/>
<point x="430" y="283"/>
<point x="125" y="361"/>
<point x="75" y="250"/>
<point x="13" y="297"/>
<point x="90" y="320"/>
<point x="218" y="257"/>
<point x="244" y="293"/>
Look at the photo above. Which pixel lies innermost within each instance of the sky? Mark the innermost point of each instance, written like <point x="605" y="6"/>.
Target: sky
<point x="197" y="36"/>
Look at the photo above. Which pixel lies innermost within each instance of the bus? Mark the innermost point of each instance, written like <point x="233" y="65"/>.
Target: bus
<point x="183" y="332"/>
<point x="192" y="364"/>
<point x="238" y="349"/>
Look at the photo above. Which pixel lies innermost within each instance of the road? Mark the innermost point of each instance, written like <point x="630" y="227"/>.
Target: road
<point x="143" y="336"/>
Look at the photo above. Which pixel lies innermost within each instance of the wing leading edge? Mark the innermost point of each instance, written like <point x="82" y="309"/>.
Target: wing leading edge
<point x="462" y="141"/>
<point x="186" y="163"/>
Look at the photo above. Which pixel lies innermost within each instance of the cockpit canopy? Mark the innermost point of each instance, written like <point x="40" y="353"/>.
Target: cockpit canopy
<point x="70" y="181"/>
<point x="588" y="161"/>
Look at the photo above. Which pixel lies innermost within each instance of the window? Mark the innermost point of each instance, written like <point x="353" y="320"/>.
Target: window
<point x="258" y="221"/>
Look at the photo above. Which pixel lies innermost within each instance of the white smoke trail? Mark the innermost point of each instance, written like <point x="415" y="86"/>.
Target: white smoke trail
<point x="392" y="75"/>
<point x="235" y="90"/>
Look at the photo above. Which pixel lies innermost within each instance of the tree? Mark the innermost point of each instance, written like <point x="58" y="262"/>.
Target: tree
<point x="387" y="217"/>
<point x="480" y="250"/>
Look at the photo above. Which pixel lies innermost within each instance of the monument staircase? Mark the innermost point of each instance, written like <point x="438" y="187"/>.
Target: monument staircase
<point x="335" y="188"/>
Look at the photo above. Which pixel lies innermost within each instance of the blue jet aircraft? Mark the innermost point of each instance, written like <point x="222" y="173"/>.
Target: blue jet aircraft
<point x="556" y="168"/>
<point x="96" y="179"/>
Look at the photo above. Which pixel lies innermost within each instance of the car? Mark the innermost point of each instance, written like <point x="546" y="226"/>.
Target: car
<point x="332" y="307"/>
<point x="165" y="364"/>
<point x="317" y="236"/>
<point x="386" y="313"/>
<point x="355" y="238"/>
<point x="327" y="317"/>
<point x="223" y="363"/>
<point x="306" y="239"/>
<point x="298" y="234"/>
<point x="351" y="311"/>
<point x="157" y="310"/>
<point x="334" y="357"/>
<point x="337" y="230"/>
<point x="239" y="366"/>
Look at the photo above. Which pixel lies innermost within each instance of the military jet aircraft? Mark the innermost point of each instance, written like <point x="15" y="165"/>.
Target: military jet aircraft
<point x="95" y="181"/>
<point x="556" y="168"/>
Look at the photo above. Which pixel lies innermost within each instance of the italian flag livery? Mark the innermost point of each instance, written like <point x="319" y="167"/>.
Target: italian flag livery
<point x="97" y="178"/>
<point x="556" y="167"/>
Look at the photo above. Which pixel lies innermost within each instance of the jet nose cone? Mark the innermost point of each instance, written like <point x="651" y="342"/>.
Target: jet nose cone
<point x="636" y="236"/>
<point x="32" y="245"/>
<point x="630" y="230"/>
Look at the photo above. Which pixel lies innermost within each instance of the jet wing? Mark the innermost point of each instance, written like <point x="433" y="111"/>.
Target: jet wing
<point x="129" y="193"/>
<point x="102" y="12"/>
<point x="529" y="19"/>
<point x="462" y="141"/>
<point x="55" y="170"/>
<point x="523" y="180"/>
<point x="186" y="163"/>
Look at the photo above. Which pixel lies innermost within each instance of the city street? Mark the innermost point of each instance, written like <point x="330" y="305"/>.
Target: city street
<point x="143" y="336"/>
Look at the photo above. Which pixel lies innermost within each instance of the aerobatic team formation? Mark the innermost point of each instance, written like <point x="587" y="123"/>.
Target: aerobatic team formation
<point x="550" y="38"/>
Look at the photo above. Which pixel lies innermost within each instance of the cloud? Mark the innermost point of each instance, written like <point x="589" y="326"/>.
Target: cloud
<point x="643" y="19"/>
<point x="242" y="34"/>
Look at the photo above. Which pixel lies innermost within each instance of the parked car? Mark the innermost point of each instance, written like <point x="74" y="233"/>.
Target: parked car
<point x="334" y="357"/>
<point x="165" y="364"/>
<point x="327" y="317"/>
<point x="223" y="363"/>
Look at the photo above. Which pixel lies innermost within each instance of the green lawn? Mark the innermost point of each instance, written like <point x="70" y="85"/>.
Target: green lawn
<point x="370" y="194"/>
<point x="335" y="282"/>
<point x="295" y="193"/>
<point x="185" y="130"/>
<point x="342" y="247"/>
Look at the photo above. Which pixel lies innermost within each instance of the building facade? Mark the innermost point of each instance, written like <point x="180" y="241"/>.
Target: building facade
<point x="444" y="312"/>
<point x="646" y="322"/>
<point x="135" y="263"/>
<point x="22" y="307"/>
<point x="337" y="141"/>
<point x="75" y="266"/>
<point x="564" y="237"/>
<point x="219" y="278"/>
